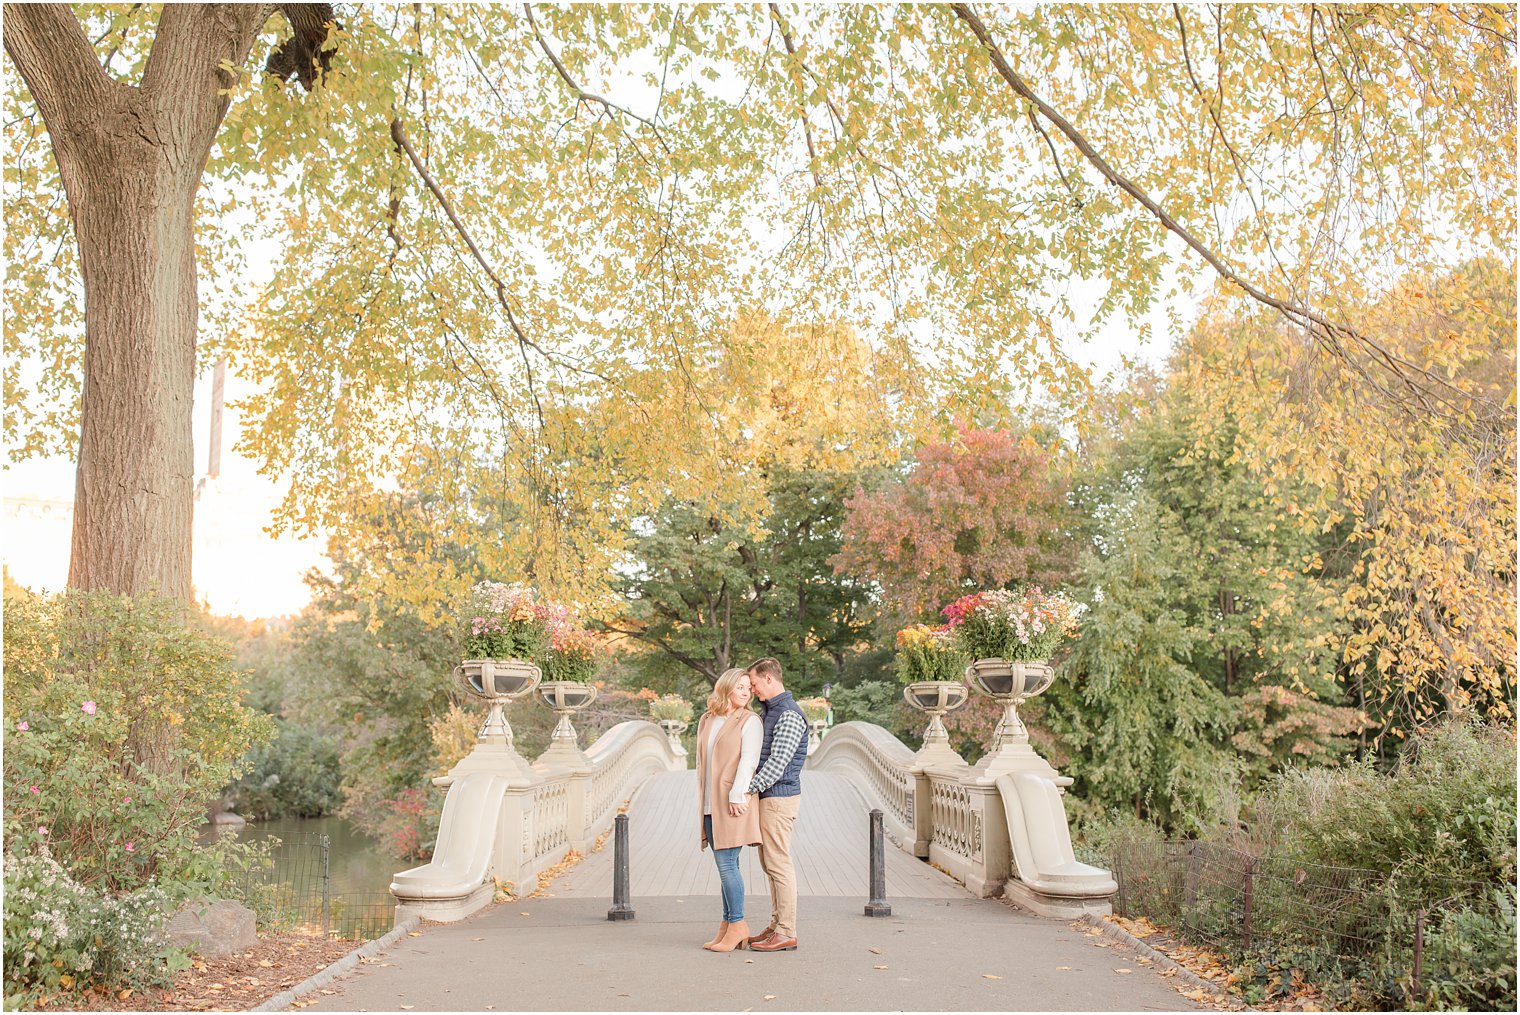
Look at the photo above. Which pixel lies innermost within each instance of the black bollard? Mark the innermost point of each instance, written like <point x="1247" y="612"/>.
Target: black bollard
<point x="620" y="910"/>
<point x="878" y="906"/>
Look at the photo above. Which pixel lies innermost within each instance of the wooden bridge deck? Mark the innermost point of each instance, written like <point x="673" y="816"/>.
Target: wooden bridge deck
<point x="830" y="848"/>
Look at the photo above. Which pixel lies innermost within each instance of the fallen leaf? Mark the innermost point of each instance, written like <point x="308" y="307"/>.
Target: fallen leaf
<point x="874" y="951"/>
<point x="881" y="967"/>
<point x="406" y="1007"/>
<point x="265" y="963"/>
<point x="769" y="997"/>
<point x="989" y="976"/>
<point x="1063" y="967"/>
<point x="1124" y="970"/>
<point x="524" y="914"/>
<point x="477" y="939"/>
<point x="124" y="994"/>
<point x="414" y="933"/>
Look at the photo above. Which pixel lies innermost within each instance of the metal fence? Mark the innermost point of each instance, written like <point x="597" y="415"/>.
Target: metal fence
<point x="292" y="886"/>
<point x="1370" y="930"/>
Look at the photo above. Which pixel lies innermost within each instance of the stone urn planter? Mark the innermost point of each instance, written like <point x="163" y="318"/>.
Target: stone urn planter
<point x="936" y="697"/>
<point x="1010" y="684"/>
<point x="565" y="698"/>
<point x="673" y="729"/>
<point x="496" y="682"/>
<point x="815" y="733"/>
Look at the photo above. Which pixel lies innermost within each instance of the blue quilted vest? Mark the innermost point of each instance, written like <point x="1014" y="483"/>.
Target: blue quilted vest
<point x="790" y="783"/>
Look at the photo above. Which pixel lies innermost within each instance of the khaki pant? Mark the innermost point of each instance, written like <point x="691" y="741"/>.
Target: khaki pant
<point x="777" y="816"/>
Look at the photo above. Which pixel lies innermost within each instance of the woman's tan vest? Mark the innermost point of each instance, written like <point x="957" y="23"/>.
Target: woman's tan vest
<point x="728" y="831"/>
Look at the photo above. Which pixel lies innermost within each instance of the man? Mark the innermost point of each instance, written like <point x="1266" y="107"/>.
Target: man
<point x="778" y="780"/>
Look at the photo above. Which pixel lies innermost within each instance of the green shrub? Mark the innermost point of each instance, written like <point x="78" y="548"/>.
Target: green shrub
<point x="123" y="722"/>
<point x="295" y="775"/>
<point x="1447" y="810"/>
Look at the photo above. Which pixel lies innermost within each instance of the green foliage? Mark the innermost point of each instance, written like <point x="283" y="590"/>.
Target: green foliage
<point x="125" y="720"/>
<point x="1446" y="811"/>
<point x="62" y="935"/>
<point x="1144" y="730"/>
<point x="709" y="593"/>
<point x="295" y="775"/>
<point x="873" y="701"/>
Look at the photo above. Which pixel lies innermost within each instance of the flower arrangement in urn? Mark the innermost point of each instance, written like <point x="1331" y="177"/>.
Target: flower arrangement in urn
<point x="814" y="709"/>
<point x="502" y="621"/>
<point x="1025" y="625"/>
<point x="572" y="655"/>
<point x="928" y="653"/>
<point x="670" y="708"/>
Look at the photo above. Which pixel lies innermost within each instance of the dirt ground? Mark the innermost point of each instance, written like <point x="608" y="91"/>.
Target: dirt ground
<point x="236" y="982"/>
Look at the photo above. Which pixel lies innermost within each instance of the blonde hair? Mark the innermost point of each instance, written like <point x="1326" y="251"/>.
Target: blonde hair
<point x="718" y="702"/>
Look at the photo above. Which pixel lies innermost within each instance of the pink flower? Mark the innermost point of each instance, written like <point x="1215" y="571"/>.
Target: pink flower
<point x="34" y="789"/>
<point x="23" y="726"/>
<point x="88" y="708"/>
<point x="42" y="830"/>
<point x="130" y="848"/>
<point x="126" y="799"/>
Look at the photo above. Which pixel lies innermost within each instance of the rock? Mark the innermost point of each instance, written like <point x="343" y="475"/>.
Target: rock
<point x="213" y="927"/>
<point x="228" y="818"/>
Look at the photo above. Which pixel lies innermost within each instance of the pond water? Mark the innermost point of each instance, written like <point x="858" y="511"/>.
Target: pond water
<point x="353" y="900"/>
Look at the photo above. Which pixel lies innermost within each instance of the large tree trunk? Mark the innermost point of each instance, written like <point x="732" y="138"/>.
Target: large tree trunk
<point x="131" y="158"/>
<point x="133" y="491"/>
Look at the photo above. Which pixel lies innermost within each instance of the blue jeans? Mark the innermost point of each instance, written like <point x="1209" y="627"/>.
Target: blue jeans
<point x="729" y="878"/>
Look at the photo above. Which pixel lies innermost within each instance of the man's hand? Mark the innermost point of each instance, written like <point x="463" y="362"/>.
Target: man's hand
<point x="737" y="810"/>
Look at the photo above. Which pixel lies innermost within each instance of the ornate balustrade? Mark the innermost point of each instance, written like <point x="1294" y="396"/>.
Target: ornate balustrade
<point x="506" y="820"/>
<point x="992" y="831"/>
<point x="881" y="768"/>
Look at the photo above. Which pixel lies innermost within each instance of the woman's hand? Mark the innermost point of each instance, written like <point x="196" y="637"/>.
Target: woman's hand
<point x="737" y="810"/>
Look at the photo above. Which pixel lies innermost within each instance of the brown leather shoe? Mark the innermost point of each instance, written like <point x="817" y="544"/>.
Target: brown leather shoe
<point x="767" y="932"/>
<point x="775" y="943"/>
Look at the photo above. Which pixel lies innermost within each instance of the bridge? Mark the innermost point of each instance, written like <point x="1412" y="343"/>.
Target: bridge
<point x="994" y="829"/>
<point x="946" y="946"/>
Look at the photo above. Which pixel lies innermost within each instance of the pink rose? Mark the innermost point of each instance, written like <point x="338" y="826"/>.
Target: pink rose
<point x="88" y="708"/>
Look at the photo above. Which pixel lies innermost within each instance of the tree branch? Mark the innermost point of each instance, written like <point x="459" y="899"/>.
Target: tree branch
<point x="1329" y="335"/>
<point x="581" y="95"/>
<point x="47" y="44"/>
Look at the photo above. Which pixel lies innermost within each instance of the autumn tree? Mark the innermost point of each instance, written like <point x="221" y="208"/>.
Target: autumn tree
<point x="489" y="218"/>
<point x="985" y="509"/>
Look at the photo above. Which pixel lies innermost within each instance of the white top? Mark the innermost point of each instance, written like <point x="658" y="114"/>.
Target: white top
<point x="751" y="736"/>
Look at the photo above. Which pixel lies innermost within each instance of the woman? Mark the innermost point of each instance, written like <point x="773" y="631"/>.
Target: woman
<point x="728" y="750"/>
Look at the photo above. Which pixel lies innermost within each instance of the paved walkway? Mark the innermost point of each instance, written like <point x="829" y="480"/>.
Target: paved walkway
<point x="941" y="950"/>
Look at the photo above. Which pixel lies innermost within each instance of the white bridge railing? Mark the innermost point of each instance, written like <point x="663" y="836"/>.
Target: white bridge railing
<point x="999" y="827"/>
<point x="507" y="820"/>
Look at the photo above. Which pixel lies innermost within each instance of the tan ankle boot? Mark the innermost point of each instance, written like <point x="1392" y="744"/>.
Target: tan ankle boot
<point x="722" y="929"/>
<point x="737" y="936"/>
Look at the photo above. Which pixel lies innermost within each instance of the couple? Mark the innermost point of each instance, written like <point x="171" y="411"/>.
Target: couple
<point x="739" y="755"/>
